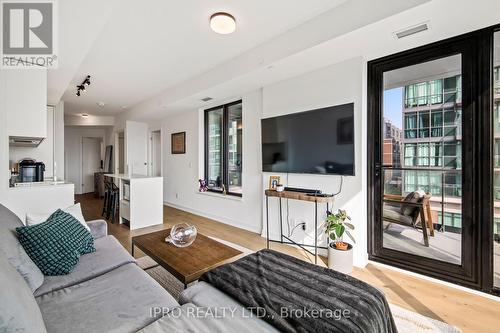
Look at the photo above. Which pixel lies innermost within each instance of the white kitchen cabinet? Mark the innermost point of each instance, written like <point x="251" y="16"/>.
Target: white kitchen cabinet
<point x="26" y="102"/>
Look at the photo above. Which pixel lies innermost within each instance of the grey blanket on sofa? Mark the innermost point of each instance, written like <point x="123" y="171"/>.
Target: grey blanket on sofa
<point x="296" y="296"/>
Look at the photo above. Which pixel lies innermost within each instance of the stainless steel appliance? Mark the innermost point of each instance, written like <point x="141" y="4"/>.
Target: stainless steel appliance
<point x="21" y="141"/>
<point x="30" y="171"/>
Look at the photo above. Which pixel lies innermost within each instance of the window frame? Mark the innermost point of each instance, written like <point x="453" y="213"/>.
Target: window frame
<point x="225" y="147"/>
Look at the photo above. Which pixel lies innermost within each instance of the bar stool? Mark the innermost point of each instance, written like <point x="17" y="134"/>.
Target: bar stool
<point x="114" y="202"/>
<point x="107" y="199"/>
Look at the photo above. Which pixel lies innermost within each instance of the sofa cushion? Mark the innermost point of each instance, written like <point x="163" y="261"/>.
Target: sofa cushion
<point x="204" y="295"/>
<point x="14" y="252"/>
<point x="412" y="197"/>
<point x="98" y="228"/>
<point x="118" y="301"/>
<point x="75" y="211"/>
<point x="56" y="245"/>
<point x="109" y="255"/>
<point x="19" y="311"/>
<point x="394" y="213"/>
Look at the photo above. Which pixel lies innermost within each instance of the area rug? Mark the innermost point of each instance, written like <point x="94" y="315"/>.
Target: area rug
<point x="406" y="321"/>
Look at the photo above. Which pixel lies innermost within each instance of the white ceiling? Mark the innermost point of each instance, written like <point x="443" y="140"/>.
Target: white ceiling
<point x="168" y="59"/>
<point x="148" y="46"/>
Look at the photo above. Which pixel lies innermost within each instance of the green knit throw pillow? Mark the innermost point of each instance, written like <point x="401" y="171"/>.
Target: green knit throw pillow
<point x="55" y="245"/>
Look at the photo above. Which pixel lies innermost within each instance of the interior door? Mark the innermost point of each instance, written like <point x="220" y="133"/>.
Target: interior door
<point x="136" y="148"/>
<point x="91" y="162"/>
<point x="422" y="155"/>
<point x="156" y="153"/>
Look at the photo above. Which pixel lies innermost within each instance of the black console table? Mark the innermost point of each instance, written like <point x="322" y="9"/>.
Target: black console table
<point x="302" y="197"/>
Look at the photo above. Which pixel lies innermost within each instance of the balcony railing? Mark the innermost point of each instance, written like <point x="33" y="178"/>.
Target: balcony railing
<point x="427" y="100"/>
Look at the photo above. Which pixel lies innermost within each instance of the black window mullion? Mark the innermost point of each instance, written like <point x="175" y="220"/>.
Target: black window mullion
<point x="225" y="149"/>
<point x="224" y="162"/>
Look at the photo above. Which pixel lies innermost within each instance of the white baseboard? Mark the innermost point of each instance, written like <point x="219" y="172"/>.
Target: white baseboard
<point x="221" y="219"/>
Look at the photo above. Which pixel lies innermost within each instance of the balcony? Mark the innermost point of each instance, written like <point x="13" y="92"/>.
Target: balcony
<point x="442" y="209"/>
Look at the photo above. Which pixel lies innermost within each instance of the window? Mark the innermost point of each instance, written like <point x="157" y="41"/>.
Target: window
<point x="223" y="148"/>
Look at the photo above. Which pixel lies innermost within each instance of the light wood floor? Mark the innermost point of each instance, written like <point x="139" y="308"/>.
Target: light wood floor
<point x="469" y="312"/>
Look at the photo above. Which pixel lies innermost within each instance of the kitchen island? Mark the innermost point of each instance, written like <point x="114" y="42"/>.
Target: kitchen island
<point x="141" y="200"/>
<point x="41" y="197"/>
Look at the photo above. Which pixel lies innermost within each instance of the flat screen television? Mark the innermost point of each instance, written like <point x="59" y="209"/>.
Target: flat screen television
<point x="319" y="141"/>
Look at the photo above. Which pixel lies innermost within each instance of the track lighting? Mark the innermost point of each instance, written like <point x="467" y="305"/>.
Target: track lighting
<point x="81" y="87"/>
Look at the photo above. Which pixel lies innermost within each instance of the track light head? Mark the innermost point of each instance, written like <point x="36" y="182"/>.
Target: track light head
<point x="81" y="87"/>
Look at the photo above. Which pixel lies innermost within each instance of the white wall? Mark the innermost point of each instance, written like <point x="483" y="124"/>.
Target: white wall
<point x="59" y="141"/>
<point x="334" y="85"/>
<point x="181" y="172"/>
<point x="73" y="151"/>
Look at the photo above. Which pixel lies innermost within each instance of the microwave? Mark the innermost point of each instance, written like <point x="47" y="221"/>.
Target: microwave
<point x="126" y="191"/>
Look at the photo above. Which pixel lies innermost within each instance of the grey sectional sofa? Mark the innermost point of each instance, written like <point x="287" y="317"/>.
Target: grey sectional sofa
<point x="106" y="292"/>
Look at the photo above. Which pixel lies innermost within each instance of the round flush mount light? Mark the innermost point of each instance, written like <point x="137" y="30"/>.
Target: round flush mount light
<point x="223" y="23"/>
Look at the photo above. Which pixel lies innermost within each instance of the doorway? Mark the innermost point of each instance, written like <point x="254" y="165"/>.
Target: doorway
<point x="91" y="162"/>
<point x="120" y="153"/>
<point x="155" y="154"/>
<point x="424" y="158"/>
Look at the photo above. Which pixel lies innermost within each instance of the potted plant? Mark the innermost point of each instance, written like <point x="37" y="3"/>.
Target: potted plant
<point x="339" y="252"/>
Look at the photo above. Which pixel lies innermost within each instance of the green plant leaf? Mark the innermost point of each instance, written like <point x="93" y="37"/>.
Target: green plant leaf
<point x="340" y="230"/>
<point x="349" y="225"/>
<point x="350" y="236"/>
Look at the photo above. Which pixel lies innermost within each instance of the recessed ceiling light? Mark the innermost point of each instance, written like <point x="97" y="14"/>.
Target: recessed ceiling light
<point x="223" y="23"/>
<point x="85" y="116"/>
<point x="101" y="104"/>
<point x="124" y="107"/>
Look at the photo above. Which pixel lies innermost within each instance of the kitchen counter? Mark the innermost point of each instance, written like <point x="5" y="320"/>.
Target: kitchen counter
<point x="141" y="200"/>
<point x="44" y="197"/>
<point x="40" y="184"/>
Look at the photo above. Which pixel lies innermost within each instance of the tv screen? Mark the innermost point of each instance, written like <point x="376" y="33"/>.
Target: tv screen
<point x="319" y="142"/>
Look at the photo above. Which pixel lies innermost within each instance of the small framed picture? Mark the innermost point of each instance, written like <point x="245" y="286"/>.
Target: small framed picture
<point x="178" y="143"/>
<point x="273" y="182"/>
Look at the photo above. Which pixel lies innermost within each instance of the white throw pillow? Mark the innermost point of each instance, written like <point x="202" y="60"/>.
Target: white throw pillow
<point x="74" y="210"/>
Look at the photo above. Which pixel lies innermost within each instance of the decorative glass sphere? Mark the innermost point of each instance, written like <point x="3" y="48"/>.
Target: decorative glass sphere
<point x="182" y="235"/>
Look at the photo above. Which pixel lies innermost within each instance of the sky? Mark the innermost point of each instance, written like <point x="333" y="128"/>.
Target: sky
<point x="393" y="106"/>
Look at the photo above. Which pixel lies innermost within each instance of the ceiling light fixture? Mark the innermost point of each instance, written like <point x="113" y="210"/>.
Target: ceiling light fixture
<point x="223" y="23"/>
<point x="85" y="116"/>
<point x="81" y="87"/>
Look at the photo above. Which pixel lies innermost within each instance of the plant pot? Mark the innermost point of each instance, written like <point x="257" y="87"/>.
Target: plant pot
<point x="340" y="260"/>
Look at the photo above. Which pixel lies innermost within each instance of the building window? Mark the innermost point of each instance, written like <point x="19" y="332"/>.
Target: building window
<point x="224" y="148"/>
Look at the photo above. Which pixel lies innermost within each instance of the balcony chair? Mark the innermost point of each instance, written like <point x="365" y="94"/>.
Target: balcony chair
<point x="413" y="210"/>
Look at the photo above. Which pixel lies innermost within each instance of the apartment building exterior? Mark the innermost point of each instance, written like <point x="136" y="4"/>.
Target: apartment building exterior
<point x="432" y="145"/>
<point x="392" y="145"/>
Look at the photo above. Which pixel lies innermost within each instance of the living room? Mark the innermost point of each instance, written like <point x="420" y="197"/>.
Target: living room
<point x="166" y="120"/>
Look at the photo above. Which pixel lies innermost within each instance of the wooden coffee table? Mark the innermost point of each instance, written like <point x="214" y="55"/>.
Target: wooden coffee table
<point x="187" y="264"/>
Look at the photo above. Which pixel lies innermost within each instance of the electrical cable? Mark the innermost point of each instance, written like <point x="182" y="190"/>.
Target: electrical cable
<point x="340" y="187"/>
